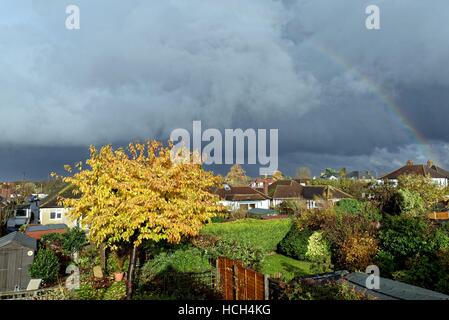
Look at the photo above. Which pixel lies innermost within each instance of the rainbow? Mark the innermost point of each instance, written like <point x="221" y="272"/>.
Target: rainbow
<point x="382" y="95"/>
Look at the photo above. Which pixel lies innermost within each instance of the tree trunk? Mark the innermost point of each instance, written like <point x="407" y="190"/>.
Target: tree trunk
<point x="103" y="257"/>
<point x="130" y="277"/>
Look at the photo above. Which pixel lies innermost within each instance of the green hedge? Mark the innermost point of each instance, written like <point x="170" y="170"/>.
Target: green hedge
<point x="295" y="243"/>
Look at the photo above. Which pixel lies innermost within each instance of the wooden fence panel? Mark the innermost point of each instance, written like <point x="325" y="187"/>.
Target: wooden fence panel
<point x="240" y="283"/>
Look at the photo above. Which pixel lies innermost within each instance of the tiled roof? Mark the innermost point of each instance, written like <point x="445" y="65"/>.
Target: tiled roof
<point x="52" y="200"/>
<point x="290" y="189"/>
<point x="418" y="169"/>
<point x="240" y="194"/>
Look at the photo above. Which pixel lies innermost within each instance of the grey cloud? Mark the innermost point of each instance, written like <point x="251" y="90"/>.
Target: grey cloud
<point x="139" y="69"/>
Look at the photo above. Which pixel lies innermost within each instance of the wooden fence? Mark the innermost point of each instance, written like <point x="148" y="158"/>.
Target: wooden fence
<point x="240" y="283"/>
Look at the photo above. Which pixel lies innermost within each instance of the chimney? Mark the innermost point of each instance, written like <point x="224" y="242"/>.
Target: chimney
<point x="430" y="163"/>
<point x="265" y="187"/>
<point x="409" y="163"/>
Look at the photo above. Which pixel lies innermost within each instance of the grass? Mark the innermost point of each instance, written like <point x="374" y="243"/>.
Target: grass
<point x="287" y="267"/>
<point x="265" y="234"/>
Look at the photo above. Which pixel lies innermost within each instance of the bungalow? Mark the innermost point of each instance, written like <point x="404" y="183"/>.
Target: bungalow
<point x="51" y="212"/>
<point x="312" y="196"/>
<point x="24" y="214"/>
<point x="439" y="175"/>
<point x="261" y="182"/>
<point x="246" y="198"/>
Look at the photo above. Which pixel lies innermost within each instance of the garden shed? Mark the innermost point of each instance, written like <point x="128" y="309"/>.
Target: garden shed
<point x="16" y="255"/>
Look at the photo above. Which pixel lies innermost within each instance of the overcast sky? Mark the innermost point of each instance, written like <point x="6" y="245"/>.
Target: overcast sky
<point x="340" y="95"/>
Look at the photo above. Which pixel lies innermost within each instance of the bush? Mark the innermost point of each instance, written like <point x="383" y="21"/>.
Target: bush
<point x="318" y="249"/>
<point x="74" y="240"/>
<point x="88" y="292"/>
<point x="53" y="241"/>
<point x="117" y="291"/>
<point x="65" y="243"/>
<point x="314" y="290"/>
<point x="352" y="239"/>
<point x="386" y="263"/>
<point x="314" y="219"/>
<point x="45" y="266"/>
<point x="250" y="256"/>
<point x="358" y="207"/>
<point x="404" y="236"/>
<point x="295" y="243"/>
<point x="357" y="252"/>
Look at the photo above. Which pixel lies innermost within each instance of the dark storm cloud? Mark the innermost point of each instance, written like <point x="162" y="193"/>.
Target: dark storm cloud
<point x="139" y="69"/>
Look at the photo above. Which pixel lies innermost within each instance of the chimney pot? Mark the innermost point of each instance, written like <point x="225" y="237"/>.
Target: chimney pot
<point x="410" y="163"/>
<point x="429" y="163"/>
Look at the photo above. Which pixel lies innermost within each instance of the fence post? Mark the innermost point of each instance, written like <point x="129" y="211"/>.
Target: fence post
<point x="266" y="280"/>
<point x="236" y="281"/>
<point x="217" y="266"/>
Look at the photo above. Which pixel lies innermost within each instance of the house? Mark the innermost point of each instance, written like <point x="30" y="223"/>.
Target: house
<point x="51" y="212"/>
<point x="438" y="175"/>
<point x="261" y="182"/>
<point x="313" y="196"/>
<point x="364" y="175"/>
<point x="24" y="214"/>
<point x="246" y="198"/>
<point x="16" y="255"/>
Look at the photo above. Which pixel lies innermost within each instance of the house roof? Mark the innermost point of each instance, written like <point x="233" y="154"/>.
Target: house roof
<point x="290" y="189"/>
<point x="19" y="237"/>
<point x="418" y="169"/>
<point x="52" y="200"/>
<point x="240" y="194"/>
<point x="327" y="192"/>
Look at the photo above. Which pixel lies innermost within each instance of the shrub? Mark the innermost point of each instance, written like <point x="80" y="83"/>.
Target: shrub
<point x="53" y="241"/>
<point x="250" y="256"/>
<point x="88" y="292"/>
<point x="117" y="291"/>
<point x="318" y="249"/>
<point x="352" y="239"/>
<point x="314" y="219"/>
<point x="358" y="207"/>
<point x="315" y="290"/>
<point x="295" y="243"/>
<point x="74" y="240"/>
<point x="45" y="266"/>
<point x="405" y="236"/>
<point x="386" y="263"/>
<point x="358" y="251"/>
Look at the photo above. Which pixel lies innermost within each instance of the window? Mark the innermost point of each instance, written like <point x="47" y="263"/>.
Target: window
<point x="21" y="213"/>
<point x="55" y="215"/>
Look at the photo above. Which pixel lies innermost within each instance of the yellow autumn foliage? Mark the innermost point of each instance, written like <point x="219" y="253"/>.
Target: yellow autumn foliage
<point x="138" y="193"/>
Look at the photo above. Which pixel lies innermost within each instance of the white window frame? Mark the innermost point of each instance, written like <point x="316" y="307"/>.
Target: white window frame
<point x="58" y="215"/>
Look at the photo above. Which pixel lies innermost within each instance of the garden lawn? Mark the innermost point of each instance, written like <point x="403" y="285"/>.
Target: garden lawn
<point x="287" y="267"/>
<point x="264" y="234"/>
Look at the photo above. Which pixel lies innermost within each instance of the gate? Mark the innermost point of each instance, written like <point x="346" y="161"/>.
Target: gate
<point x="240" y="283"/>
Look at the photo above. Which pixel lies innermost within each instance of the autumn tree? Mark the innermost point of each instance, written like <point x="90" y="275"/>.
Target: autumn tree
<point x="303" y="173"/>
<point x="429" y="192"/>
<point x="137" y="194"/>
<point x="237" y="176"/>
<point x="278" y="175"/>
